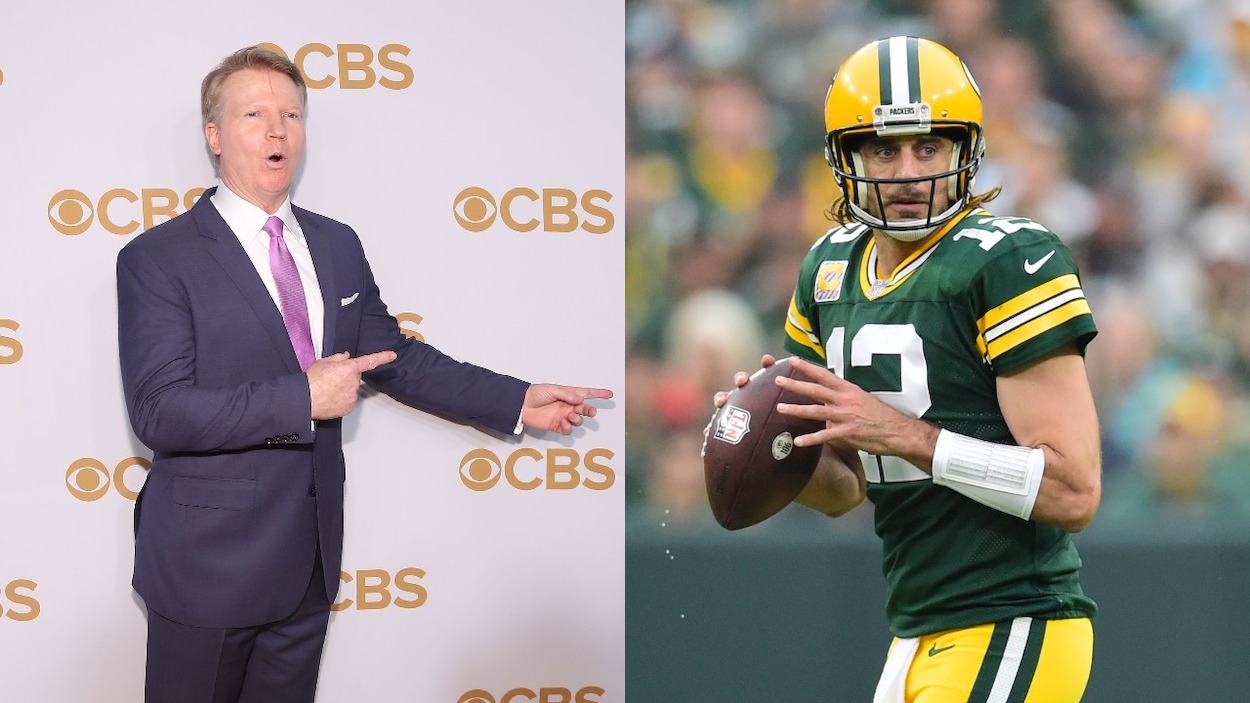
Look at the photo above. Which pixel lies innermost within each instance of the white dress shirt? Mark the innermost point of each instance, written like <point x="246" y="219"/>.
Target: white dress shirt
<point x="246" y="221"/>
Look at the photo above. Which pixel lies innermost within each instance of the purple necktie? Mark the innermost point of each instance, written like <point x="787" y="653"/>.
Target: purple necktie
<point x="291" y="293"/>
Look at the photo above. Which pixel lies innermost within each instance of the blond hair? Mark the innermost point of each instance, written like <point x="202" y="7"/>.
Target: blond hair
<point x="254" y="57"/>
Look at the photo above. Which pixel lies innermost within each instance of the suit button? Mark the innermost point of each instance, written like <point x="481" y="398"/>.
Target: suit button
<point x="312" y="491"/>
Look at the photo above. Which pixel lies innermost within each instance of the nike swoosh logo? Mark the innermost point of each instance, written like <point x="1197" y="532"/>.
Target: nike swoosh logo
<point x="352" y="298"/>
<point x="1031" y="268"/>
<point x="934" y="650"/>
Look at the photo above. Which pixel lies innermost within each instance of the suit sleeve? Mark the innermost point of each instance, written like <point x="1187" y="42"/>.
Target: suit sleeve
<point x="168" y="411"/>
<point x="425" y="377"/>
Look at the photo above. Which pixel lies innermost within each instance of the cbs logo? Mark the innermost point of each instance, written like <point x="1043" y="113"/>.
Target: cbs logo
<point x="373" y="589"/>
<point x="481" y="469"/>
<point x="587" y="694"/>
<point x="403" y="318"/>
<point x="72" y="212"/>
<point x="10" y="348"/>
<point x="19" y="597"/>
<point x="89" y="479"/>
<point x="351" y="65"/>
<point x="524" y="210"/>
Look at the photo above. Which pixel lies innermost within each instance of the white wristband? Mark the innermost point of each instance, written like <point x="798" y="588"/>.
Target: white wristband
<point x="1001" y="476"/>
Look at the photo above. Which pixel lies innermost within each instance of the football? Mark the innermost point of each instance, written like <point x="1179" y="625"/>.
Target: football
<point x="750" y="463"/>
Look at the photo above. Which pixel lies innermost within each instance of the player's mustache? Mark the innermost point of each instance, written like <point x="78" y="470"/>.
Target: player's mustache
<point x="908" y="196"/>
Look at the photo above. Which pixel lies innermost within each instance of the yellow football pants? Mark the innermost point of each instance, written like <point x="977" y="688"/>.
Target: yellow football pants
<point x="1025" y="660"/>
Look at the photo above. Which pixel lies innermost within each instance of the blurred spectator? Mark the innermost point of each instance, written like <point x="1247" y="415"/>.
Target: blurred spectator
<point x="1027" y="138"/>
<point x="801" y="43"/>
<point x="1184" y="472"/>
<point x="1125" y="353"/>
<point x="711" y="334"/>
<point x="1221" y="235"/>
<point x="732" y="163"/>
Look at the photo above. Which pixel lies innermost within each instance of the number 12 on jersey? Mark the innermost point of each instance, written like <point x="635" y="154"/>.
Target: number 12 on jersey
<point x="869" y="344"/>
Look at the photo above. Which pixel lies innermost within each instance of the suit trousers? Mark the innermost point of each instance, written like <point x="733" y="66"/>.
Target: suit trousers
<point x="277" y="662"/>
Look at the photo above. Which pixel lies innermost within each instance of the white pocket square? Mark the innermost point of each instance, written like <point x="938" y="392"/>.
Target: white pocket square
<point x="348" y="300"/>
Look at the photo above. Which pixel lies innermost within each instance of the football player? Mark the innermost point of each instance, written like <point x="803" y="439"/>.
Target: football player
<point x="942" y="345"/>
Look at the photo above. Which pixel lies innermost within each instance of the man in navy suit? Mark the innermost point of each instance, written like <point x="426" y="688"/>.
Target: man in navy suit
<point x="240" y="393"/>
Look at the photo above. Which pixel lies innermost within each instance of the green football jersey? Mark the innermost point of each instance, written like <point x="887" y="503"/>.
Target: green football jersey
<point x="986" y="296"/>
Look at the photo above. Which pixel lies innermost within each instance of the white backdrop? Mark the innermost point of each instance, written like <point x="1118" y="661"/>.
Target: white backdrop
<point x="499" y="581"/>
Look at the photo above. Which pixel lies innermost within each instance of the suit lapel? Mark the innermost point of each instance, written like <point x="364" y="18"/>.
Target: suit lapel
<point x="226" y="250"/>
<point x="319" y="246"/>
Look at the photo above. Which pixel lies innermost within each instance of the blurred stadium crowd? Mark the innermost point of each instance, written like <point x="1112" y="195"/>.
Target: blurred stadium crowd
<point x="1124" y="127"/>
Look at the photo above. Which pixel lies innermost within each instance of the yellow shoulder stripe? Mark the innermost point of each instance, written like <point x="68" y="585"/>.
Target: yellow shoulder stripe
<point x="1030" y="314"/>
<point x="1028" y="299"/>
<point x="799" y="329"/>
<point x="1034" y="327"/>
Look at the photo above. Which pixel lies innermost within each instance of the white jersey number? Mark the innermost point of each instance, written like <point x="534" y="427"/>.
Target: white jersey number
<point x="912" y="398"/>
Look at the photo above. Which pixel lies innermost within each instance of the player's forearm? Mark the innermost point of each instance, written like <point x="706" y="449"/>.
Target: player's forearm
<point x="1048" y="405"/>
<point x="1071" y="489"/>
<point x="836" y="487"/>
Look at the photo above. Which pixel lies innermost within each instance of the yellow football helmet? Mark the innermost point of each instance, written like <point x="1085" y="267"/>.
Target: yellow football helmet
<point x="902" y="86"/>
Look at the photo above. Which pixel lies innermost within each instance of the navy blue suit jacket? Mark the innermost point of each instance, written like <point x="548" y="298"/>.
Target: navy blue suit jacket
<point x="242" y="488"/>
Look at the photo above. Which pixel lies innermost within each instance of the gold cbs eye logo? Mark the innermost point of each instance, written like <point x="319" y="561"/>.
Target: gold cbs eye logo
<point x="72" y="212"/>
<point x="528" y="468"/>
<point x="480" y="469"/>
<point x="350" y="65"/>
<point x="546" y="694"/>
<point x="525" y="210"/>
<point x="89" y="479"/>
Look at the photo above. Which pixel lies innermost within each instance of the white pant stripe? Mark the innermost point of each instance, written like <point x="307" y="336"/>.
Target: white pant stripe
<point x="1010" y="665"/>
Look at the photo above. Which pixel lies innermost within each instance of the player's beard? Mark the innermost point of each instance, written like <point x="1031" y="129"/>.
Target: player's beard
<point x="919" y="197"/>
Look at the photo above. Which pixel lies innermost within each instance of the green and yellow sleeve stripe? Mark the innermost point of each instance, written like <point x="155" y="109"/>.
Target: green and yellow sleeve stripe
<point x="799" y="329"/>
<point x="1030" y="314"/>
